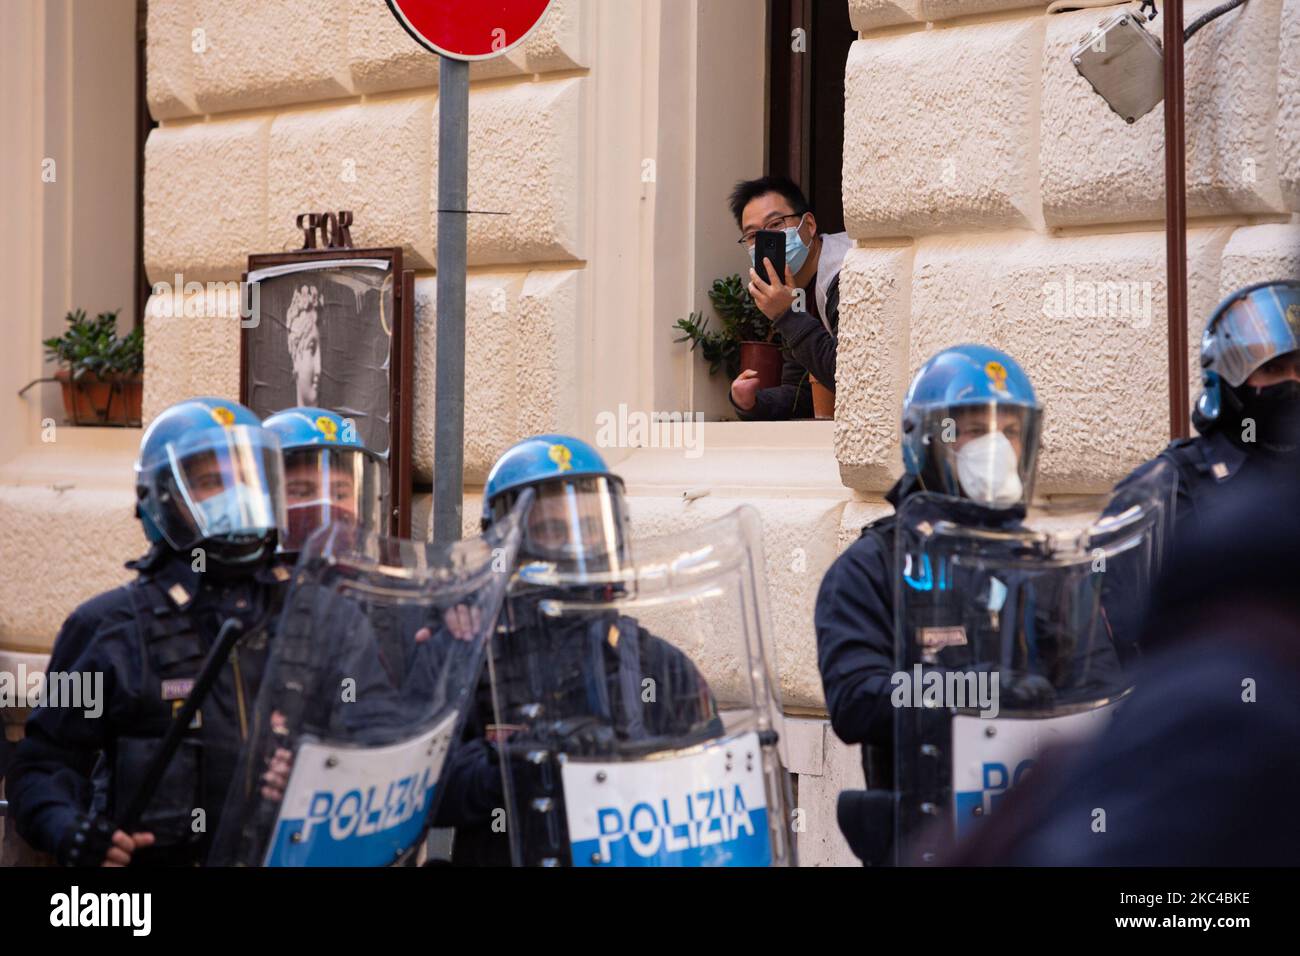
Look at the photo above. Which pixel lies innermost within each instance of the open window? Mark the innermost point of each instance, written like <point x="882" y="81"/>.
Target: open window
<point x="808" y="49"/>
<point x="144" y="124"/>
<point x="781" y="112"/>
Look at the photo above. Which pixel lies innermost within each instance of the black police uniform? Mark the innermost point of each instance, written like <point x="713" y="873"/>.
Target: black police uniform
<point x="1207" y="466"/>
<point x="342" y="671"/>
<point x="856" y="655"/>
<point x="148" y="640"/>
<point x="1213" y="471"/>
<point x="684" y="710"/>
<point x="854" y="621"/>
<point x="1193" y="771"/>
<point x="394" y="678"/>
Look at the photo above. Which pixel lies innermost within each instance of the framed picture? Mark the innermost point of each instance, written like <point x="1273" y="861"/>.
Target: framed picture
<point x="333" y="328"/>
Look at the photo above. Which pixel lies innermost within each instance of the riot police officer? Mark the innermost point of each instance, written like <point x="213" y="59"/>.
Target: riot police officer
<point x="1199" y="765"/>
<point x="209" y="491"/>
<point x="330" y="477"/>
<point x="970" y="430"/>
<point x="575" y="546"/>
<point x="955" y="593"/>
<point x="364" y="682"/>
<point x="329" y="474"/>
<point x="1248" y="414"/>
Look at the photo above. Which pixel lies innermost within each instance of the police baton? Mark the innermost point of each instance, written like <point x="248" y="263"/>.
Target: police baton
<point x="230" y="633"/>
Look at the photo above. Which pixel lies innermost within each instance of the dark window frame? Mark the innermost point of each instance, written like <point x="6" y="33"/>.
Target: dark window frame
<point x="806" y="101"/>
<point x="144" y="124"/>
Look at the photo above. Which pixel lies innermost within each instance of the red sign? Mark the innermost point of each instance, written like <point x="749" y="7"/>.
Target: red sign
<point x="469" y="29"/>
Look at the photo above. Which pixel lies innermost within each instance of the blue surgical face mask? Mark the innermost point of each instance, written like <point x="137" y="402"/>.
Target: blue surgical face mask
<point x="237" y="510"/>
<point x="796" y="250"/>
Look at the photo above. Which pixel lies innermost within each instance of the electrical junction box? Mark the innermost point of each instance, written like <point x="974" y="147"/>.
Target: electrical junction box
<point x="1125" y="65"/>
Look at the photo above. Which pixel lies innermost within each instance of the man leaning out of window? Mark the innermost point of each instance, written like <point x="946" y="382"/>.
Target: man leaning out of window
<point x="807" y="323"/>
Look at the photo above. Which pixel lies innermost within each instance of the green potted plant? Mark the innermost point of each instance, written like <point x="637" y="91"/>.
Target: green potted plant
<point x="745" y="339"/>
<point x="102" y="374"/>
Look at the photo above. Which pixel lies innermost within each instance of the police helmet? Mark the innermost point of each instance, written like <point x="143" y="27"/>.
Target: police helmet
<point x="209" y="475"/>
<point x="1250" y="328"/>
<point x="971" y="426"/>
<point x="577" y="527"/>
<point x="329" y="473"/>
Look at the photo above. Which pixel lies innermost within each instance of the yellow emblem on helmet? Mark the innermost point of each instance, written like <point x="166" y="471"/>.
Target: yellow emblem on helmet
<point x="997" y="374"/>
<point x="1293" y="316"/>
<point x="223" y="416"/>
<point x="328" y="427"/>
<point x="562" y="456"/>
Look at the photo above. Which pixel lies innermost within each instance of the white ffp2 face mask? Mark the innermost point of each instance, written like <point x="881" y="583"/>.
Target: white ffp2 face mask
<point x="987" y="470"/>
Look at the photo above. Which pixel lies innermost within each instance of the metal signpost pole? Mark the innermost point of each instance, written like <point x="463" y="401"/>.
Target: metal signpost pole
<point x="458" y="31"/>
<point x="1175" y="219"/>
<point x="453" y="204"/>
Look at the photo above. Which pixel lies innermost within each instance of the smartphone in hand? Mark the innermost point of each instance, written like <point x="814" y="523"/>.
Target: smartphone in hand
<point x="769" y="244"/>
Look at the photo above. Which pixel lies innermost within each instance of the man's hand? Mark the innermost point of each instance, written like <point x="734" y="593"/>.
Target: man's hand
<point x="773" y="299"/>
<point x="119" y="854"/>
<point x="744" y="390"/>
<point x="276" y="777"/>
<point x="463" y="622"/>
<point x="96" y="841"/>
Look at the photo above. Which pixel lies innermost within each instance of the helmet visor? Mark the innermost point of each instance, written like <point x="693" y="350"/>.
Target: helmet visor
<point x="986" y="452"/>
<point x="226" y="485"/>
<point x="577" y="529"/>
<point x="1252" y="330"/>
<point x="325" y="485"/>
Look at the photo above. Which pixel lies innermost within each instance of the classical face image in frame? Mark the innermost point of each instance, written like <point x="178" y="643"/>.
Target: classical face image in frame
<point x="322" y="335"/>
<point x="327" y="329"/>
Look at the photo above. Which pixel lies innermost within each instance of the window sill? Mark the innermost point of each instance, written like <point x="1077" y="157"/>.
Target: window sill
<point x="98" y="456"/>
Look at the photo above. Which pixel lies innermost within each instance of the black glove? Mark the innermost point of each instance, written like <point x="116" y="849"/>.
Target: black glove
<point x="585" y="735"/>
<point x="866" y="818"/>
<point x="87" y="843"/>
<point x="1028" y="690"/>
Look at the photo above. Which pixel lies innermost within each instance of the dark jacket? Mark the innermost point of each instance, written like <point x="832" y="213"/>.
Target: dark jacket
<point x="144" y="641"/>
<point x="807" y="348"/>
<point x="1198" y="768"/>
<point x="1211" y="471"/>
<point x="855" y="625"/>
<point x="854" y="621"/>
<point x="569" y="682"/>
<point x="1208" y="467"/>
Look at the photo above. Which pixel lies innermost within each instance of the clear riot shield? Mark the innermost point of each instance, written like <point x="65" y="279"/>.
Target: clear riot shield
<point x="378" y="652"/>
<point x="638" y="718"/>
<point x="1139" y="521"/>
<point x="1009" y="640"/>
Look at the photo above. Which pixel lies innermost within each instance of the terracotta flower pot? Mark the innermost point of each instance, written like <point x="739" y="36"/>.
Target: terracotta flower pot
<point x="765" y="359"/>
<point x="823" y="400"/>
<point x="93" y="400"/>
